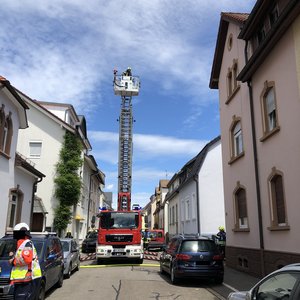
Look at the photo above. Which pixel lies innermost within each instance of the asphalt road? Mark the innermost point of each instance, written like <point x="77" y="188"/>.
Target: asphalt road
<point x="128" y="282"/>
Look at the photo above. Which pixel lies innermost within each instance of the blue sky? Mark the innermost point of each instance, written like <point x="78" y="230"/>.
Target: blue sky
<point x="66" y="50"/>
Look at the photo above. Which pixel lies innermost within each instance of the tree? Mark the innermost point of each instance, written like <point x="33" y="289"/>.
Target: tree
<point x="67" y="181"/>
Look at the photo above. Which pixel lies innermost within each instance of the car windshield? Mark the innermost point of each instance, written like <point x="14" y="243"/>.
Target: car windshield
<point x="110" y="220"/>
<point x="65" y="246"/>
<point x="7" y="246"/>
<point x="92" y="235"/>
<point x="10" y="245"/>
<point x="197" y="246"/>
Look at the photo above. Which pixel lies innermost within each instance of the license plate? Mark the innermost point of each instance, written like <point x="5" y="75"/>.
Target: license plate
<point x="118" y="250"/>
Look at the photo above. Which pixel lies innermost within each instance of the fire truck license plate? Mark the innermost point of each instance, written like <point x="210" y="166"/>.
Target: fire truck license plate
<point x="118" y="250"/>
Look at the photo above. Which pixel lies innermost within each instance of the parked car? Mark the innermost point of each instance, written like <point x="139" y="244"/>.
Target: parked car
<point x="282" y="284"/>
<point x="71" y="256"/>
<point x="157" y="239"/>
<point x="192" y="256"/>
<point x="50" y="255"/>
<point x="89" y="243"/>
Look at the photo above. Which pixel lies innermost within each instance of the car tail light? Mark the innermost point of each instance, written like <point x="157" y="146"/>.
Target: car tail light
<point x="183" y="257"/>
<point x="218" y="257"/>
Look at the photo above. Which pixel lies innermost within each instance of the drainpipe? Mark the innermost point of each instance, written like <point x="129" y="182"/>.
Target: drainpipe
<point x="257" y="184"/>
<point x="34" y="188"/>
<point x="197" y="203"/>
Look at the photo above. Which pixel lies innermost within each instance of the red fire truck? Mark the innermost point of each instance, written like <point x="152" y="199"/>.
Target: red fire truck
<point x="119" y="234"/>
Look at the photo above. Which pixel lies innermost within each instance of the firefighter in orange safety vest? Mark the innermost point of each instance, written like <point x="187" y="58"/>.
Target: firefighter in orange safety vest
<point x="25" y="265"/>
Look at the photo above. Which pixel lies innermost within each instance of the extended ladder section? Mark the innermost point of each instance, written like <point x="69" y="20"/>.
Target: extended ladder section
<point x="125" y="154"/>
<point x="126" y="87"/>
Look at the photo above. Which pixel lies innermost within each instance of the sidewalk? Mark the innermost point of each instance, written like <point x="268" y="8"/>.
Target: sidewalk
<point x="238" y="280"/>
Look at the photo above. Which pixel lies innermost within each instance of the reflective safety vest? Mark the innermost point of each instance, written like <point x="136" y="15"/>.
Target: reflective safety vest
<point x="21" y="272"/>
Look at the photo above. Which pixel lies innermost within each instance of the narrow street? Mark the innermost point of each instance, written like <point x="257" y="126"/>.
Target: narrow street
<point x="127" y="282"/>
<point x="144" y="281"/>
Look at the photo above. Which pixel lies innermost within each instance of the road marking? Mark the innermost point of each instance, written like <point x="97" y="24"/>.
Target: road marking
<point x="122" y="265"/>
<point x="230" y="287"/>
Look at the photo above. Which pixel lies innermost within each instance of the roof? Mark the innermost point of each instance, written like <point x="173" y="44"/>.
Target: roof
<point x="163" y="183"/>
<point x="21" y="161"/>
<point x="226" y="18"/>
<point x="194" y="164"/>
<point x="288" y="13"/>
<point x="19" y="102"/>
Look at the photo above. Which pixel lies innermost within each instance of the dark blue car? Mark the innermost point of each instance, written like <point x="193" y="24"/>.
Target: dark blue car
<point x="50" y="255"/>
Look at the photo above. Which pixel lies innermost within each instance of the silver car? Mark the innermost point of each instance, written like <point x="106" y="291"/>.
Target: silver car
<point x="282" y="284"/>
<point x="71" y="256"/>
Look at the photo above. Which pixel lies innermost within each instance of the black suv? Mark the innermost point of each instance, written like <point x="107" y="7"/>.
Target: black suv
<point x="90" y="241"/>
<point x="192" y="256"/>
<point x="50" y="255"/>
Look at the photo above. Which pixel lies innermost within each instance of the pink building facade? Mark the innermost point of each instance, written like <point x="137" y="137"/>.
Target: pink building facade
<point x="256" y="69"/>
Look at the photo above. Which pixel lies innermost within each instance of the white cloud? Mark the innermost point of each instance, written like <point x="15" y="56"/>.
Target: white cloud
<point x="61" y="50"/>
<point x="147" y="146"/>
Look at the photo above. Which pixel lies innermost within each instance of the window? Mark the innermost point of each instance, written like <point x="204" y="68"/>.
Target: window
<point x="237" y="139"/>
<point x="229" y="83"/>
<point x="269" y="110"/>
<point x="282" y="285"/>
<point x="182" y="211"/>
<point x="232" y="83"/>
<point x="173" y="215"/>
<point x="241" y="221"/>
<point x="236" y="136"/>
<point x="187" y="209"/>
<point x="278" y="208"/>
<point x="234" y="75"/>
<point x="14" y="208"/>
<point x="194" y="206"/>
<point x="35" y="149"/>
<point x="6" y="132"/>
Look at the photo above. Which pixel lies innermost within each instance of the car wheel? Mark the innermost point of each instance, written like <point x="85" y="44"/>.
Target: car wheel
<point x="174" y="280"/>
<point x="219" y="279"/>
<point x="41" y="295"/>
<point x="78" y="265"/>
<point x="68" y="275"/>
<point x="161" y="268"/>
<point x="99" y="261"/>
<point x="60" y="280"/>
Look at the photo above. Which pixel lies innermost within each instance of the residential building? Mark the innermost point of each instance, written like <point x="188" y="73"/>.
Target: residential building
<point x="19" y="177"/>
<point x="196" y="197"/>
<point x="48" y="124"/>
<point x="256" y="69"/>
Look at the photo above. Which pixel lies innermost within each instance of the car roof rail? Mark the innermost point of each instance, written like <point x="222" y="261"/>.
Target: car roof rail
<point x="52" y="233"/>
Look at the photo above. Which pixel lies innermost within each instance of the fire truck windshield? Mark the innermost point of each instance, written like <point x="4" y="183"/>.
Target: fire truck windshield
<point x="110" y="220"/>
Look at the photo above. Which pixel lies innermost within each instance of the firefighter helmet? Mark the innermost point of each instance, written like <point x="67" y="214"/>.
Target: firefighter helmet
<point x="21" y="227"/>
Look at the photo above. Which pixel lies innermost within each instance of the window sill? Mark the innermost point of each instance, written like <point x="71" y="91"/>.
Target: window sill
<point x="279" y="228"/>
<point x="241" y="229"/>
<point x="4" y="154"/>
<point x="269" y="134"/>
<point x="232" y="94"/>
<point x="234" y="159"/>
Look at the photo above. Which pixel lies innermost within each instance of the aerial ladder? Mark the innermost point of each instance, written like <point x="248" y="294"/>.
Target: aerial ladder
<point x="120" y="231"/>
<point x="126" y="86"/>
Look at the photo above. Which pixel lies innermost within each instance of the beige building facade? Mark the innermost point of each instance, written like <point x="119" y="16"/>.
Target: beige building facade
<point x="256" y="69"/>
